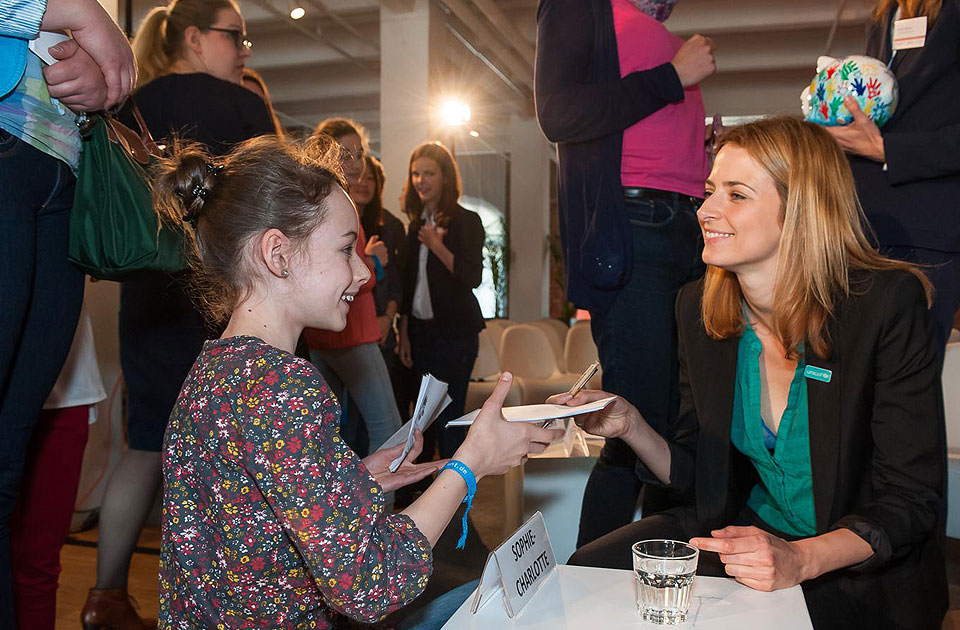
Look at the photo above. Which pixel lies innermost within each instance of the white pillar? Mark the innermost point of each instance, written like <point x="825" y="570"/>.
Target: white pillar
<point x="529" y="220"/>
<point x="410" y="32"/>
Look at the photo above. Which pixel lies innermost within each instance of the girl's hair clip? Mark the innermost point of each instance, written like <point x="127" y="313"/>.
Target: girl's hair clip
<point x="214" y="169"/>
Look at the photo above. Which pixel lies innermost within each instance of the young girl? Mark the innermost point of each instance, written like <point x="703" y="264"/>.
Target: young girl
<point x="270" y="521"/>
<point x="440" y="317"/>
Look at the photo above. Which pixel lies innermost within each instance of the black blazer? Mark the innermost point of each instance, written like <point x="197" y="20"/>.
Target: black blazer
<point x="456" y="312"/>
<point x="584" y="106"/>
<point x="915" y="201"/>
<point x="877" y="443"/>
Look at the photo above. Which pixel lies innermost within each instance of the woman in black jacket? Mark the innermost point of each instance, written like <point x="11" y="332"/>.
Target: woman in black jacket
<point x="440" y="316"/>
<point x="810" y="438"/>
<point x="908" y="173"/>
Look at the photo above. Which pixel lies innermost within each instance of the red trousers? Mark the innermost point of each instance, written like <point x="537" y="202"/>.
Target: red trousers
<point x="41" y="521"/>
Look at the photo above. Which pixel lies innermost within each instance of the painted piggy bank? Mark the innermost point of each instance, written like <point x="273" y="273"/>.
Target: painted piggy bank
<point x="865" y="78"/>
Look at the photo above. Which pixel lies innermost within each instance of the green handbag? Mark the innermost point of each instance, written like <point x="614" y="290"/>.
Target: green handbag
<point x="114" y="230"/>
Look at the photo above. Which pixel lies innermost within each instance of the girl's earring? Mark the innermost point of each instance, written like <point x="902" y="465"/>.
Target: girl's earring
<point x="285" y="273"/>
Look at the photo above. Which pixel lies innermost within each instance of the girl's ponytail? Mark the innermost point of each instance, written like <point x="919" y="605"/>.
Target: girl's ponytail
<point x="149" y="47"/>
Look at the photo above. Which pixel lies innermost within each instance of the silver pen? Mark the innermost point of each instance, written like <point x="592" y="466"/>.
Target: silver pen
<point x="580" y="384"/>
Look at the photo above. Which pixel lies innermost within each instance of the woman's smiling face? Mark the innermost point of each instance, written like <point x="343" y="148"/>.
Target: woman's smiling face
<point x="741" y="214"/>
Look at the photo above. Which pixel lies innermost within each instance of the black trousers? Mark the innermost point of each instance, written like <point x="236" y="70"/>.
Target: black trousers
<point x="451" y="361"/>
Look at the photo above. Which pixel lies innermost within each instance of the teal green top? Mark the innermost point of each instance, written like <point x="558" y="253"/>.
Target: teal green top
<point x="784" y="496"/>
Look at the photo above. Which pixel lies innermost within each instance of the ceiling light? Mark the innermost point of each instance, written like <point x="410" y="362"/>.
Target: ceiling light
<point x="474" y="133"/>
<point x="454" y="112"/>
<point x="297" y="12"/>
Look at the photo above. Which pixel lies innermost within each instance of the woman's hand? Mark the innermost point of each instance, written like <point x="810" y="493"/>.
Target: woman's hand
<point x="493" y="446"/>
<point x="379" y="465"/>
<point x="757" y="558"/>
<point x="386" y="327"/>
<point x="431" y="236"/>
<point x="75" y="80"/>
<point x="862" y="136"/>
<point x="613" y="421"/>
<point x="406" y="356"/>
<point x="376" y="247"/>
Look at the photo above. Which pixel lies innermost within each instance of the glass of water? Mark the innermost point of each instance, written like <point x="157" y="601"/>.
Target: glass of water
<point x="663" y="573"/>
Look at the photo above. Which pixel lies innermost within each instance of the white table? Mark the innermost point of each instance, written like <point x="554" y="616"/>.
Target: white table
<point x="583" y="597"/>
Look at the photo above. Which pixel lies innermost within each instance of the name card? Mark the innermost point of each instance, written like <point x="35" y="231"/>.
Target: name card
<point x="517" y="568"/>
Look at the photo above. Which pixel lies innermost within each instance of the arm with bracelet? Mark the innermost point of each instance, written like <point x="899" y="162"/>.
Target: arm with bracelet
<point x="492" y="447"/>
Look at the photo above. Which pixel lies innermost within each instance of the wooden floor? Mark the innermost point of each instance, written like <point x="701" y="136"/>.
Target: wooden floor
<point x="79" y="569"/>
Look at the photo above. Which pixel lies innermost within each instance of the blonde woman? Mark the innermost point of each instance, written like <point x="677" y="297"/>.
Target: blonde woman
<point x="810" y="438"/>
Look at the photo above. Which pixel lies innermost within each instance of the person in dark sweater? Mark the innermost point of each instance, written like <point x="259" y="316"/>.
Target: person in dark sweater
<point x="191" y="56"/>
<point x="908" y="173"/>
<point x="620" y="96"/>
<point x="440" y="318"/>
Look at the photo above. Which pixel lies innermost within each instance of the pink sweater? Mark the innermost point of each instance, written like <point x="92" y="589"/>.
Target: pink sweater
<point x="665" y="150"/>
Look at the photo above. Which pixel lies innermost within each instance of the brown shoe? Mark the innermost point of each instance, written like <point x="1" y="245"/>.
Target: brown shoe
<point x="112" y="609"/>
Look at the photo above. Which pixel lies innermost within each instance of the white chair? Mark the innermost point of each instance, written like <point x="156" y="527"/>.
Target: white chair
<point x="487" y="365"/>
<point x="486" y="372"/>
<point x="579" y="352"/>
<point x="556" y="333"/>
<point x="496" y="328"/>
<point x="527" y="353"/>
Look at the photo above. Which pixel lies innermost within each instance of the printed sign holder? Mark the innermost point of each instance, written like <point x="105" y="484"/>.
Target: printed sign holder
<point x="501" y="571"/>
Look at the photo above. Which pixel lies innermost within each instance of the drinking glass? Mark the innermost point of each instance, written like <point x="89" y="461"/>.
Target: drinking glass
<point x="663" y="579"/>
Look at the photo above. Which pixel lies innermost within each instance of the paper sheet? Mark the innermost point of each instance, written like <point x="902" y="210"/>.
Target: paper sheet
<point x="431" y="401"/>
<point x="536" y="413"/>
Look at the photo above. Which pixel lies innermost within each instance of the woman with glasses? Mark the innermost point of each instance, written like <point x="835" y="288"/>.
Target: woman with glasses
<point x="191" y="56"/>
<point x="350" y="360"/>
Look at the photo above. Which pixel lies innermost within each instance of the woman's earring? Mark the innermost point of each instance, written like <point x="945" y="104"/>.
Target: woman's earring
<point x="285" y="273"/>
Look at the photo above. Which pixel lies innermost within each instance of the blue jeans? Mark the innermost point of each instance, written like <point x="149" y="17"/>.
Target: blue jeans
<point x="434" y="615"/>
<point x="363" y="373"/>
<point x="40" y="295"/>
<point x="636" y="342"/>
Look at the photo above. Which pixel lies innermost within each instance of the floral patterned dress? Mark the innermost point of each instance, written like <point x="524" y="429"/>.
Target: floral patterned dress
<point x="269" y="519"/>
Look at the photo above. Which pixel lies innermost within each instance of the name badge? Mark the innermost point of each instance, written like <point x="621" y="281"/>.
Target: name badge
<point x="517" y="568"/>
<point x="818" y="373"/>
<point x="911" y="33"/>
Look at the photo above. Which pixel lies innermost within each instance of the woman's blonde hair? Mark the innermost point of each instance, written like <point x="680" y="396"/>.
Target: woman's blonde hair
<point x="159" y="40"/>
<point x="823" y="238"/>
<point x="909" y="9"/>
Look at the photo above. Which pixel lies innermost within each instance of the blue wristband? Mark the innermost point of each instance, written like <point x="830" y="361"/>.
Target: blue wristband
<point x="378" y="268"/>
<point x="470" y="479"/>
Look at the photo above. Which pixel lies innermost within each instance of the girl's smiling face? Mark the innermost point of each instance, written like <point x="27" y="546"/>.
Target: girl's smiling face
<point x="427" y="180"/>
<point x="329" y="271"/>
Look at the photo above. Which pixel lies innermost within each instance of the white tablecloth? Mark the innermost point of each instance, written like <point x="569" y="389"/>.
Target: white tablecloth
<point x="603" y="599"/>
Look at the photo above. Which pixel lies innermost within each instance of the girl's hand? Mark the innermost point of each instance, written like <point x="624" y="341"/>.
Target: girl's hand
<point x="379" y="465"/>
<point x="493" y="446"/>
<point x="376" y="247"/>
<point x="386" y="328"/>
<point x="75" y="80"/>
<point x="406" y="356"/>
<point x="613" y="421"/>
<point x="862" y="136"/>
<point x="431" y="236"/>
<point x="756" y="558"/>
